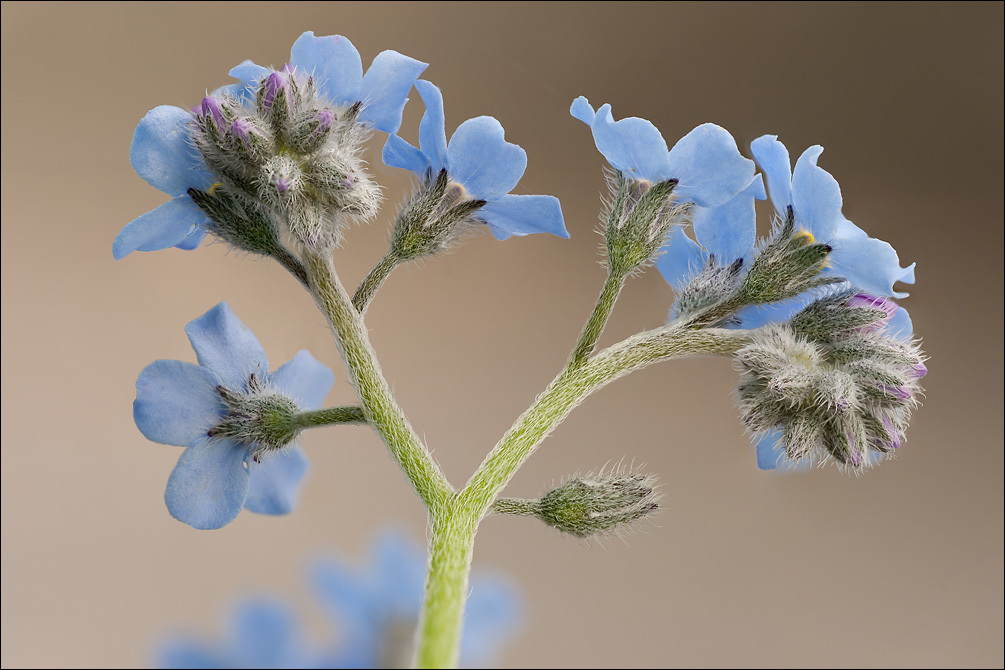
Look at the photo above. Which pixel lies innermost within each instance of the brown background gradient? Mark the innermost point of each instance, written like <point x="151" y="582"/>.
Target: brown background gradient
<point x="900" y="567"/>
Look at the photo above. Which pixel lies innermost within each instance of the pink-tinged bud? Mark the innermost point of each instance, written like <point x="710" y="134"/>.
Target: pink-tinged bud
<point x="324" y="119"/>
<point x="212" y="108"/>
<point x="867" y="301"/>
<point x="919" y="370"/>
<point x="274" y="83"/>
<point x="899" y="392"/>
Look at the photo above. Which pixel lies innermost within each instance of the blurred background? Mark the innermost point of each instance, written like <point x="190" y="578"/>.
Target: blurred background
<point x="899" y="567"/>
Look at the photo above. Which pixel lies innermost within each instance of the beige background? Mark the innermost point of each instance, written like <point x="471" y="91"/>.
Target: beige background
<point x="900" y="567"/>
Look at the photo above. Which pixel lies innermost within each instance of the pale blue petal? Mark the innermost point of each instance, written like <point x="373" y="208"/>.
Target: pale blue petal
<point x="162" y="152"/>
<point x="185" y="653"/>
<point x="176" y="402"/>
<point x="583" y="110"/>
<point x="274" y="482"/>
<point x="400" y="154"/>
<point x="633" y="145"/>
<point x="680" y="259"/>
<point x="816" y="197"/>
<point x="304" y="379"/>
<point x="265" y="634"/>
<point x="524" y="215"/>
<point x="400" y="572"/>
<point x="708" y="167"/>
<point x="867" y="263"/>
<point x="729" y="231"/>
<point x="755" y="316"/>
<point x="208" y="486"/>
<point x="333" y="62"/>
<point x="172" y="224"/>
<point x="249" y="73"/>
<point x="773" y="159"/>
<point x="226" y="346"/>
<point x="900" y="326"/>
<point x="193" y="240"/>
<point x="770" y="453"/>
<point x="384" y="89"/>
<point x="480" y="158"/>
<point x="432" y="133"/>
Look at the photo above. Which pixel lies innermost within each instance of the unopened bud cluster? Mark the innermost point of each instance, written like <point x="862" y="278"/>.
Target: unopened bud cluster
<point x="437" y="214"/>
<point x="287" y="156"/>
<point x="640" y="214"/>
<point x="831" y="381"/>
<point x="260" y="418"/>
<point x="599" y="504"/>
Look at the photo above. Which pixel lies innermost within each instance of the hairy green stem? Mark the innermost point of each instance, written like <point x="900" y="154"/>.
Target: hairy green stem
<point x="598" y="319"/>
<point x="516" y="506"/>
<point x="454" y="524"/>
<point x="292" y="264"/>
<point x="329" y="416"/>
<point x="379" y="406"/>
<point x="374" y="280"/>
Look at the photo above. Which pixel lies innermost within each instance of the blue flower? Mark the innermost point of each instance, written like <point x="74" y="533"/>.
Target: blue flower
<point x="706" y="163"/>
<point x="378" y="607"/>
<point x="814" y="195"/>
<point x="375" y="610"/>
<point x="164" y="154"/>
<point x="179" y="403"/>
<point x="480" y="159"/>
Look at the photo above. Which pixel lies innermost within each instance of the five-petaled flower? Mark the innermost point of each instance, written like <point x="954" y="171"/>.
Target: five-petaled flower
<point x="479" y="159"/>
<point x="181" y="403"/>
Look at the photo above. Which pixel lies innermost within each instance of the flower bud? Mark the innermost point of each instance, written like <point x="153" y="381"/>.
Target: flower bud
<point x="640" y="216"/>
<point x="437" y="214"/>
<point x="788" y="265"/>
<point x="312" y="131"/>
<point x="599" y="504"/>
<point x="238" y="222"/>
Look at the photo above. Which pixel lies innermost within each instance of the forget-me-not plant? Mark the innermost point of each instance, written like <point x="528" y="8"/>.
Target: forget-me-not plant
<point x="276" y="164"/>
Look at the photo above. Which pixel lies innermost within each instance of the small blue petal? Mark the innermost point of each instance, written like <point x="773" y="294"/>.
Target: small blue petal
<point x="209" y="485"/>
<point x="162" y="152"/>
<point x="583" y="110"/>
<point x="633" y="145"/>
<point x="900" y="326"/>
<point x="432" y="134"/>
<point x="384" y="89"/>
<point x="304" y="379"/>
<point x="226" y="346"/>
<point x="176" y="402"/>
<point x="773" y="159"/>
<point x="400" y="154"/>
<point x="333" y="62"/>
<point x="480" y="158"/>
<point x="265" y="633"/>
<point x="524" y="215"/>
<point x="174" y="223"/>
<point x="728" y="231"/>
<point x="771" y="454"/>
<point x="680" y="259"/>
<point x="816" y="197"/>
<point x="193" y="240"/>
<point x="867" y="263"/>
<point x="249" y="72"/>
<point x="755" y="316"/>
<point x="274" y="482"/>
<point x="708" y="167"/>
<point x="185" y="653"/>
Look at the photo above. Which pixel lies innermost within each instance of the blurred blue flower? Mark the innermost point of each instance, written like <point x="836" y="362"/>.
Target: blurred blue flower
<point x="375" y="610"/>
<point x="178" y="403"/>
<point x="706" y="163"/>
<point x="480" y="159"/>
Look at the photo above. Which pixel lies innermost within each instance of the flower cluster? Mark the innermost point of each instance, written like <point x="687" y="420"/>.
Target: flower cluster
<point x="832" y="383"/>
<point x="235" y="419"/>
<point x="373" y="610"/>
<point x="283" y="145"/>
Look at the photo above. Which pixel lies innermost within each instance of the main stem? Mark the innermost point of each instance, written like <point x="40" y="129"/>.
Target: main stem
<point x="454" y="524"/>
<point x="381" y="410"/>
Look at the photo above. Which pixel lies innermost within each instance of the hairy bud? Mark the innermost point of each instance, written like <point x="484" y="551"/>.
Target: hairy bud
<point x="639" y="216"/>
<point x="436" y="214"/>
<point x="238" y="221"/>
